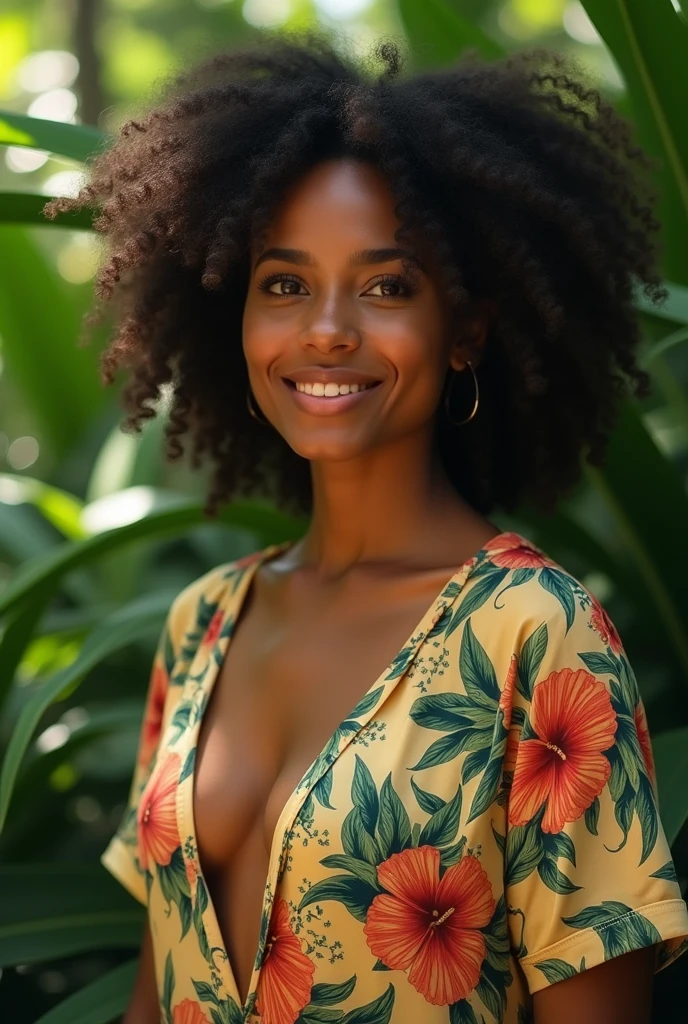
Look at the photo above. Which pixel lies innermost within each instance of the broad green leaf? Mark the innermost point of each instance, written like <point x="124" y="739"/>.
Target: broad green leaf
<point x="649" y="42"/>
<point x="265" y="522"/>
<point x="437" y="33"/>
<point x="671" y="764"/>
<point x="77" y="141"/>
<point x="647" y="498"/>
<point x="40" y="323"/>
<point x="26" y="208"/>
<point x="99" y="1002"/>
<point x="123" y="627"/>
<point x="675" y="308"/>
<point x="55" y="910"/>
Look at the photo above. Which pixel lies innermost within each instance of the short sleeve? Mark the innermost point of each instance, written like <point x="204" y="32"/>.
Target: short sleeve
<point x="121" y="856"/>
<point x="588" y="871"/>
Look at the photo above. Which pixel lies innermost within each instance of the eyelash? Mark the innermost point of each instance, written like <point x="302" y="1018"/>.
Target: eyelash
<point x="408" y="289"/>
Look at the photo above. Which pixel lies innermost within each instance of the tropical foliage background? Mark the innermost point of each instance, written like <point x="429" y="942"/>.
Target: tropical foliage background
<point x="97" y="533"/>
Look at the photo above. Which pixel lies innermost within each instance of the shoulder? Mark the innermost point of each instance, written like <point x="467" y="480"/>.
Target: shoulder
<point x="528" y="588"/>
<point x="196" y="603"/>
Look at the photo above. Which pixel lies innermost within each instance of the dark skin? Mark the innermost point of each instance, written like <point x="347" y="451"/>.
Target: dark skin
<point x="386" y="533"/>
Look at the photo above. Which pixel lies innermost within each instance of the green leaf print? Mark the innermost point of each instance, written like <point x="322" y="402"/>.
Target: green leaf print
<point x="554" y="879"/>
<point x="199" y="908"/>
<point x="524" y="849"/>
<point x="444" y="823"/>
<point x="559" y="585"/>
<point x="427" y="802"/>
<point x="462" y="1013"/>
<point x="205" y="992"/>
<point x="364" y="796"/>
<point x="486" y="580"/>
<point x="477" y="671"/>
<point x="646" y="809"/>
<point x="474" y="763"/>
<point x="530" y="659"/>
<point x="556" y="970"/>
<point x="592" y="816"/>
<point x="620" y="928"/>
<point x="394" y="827"/>
<point x="175" y="887"/>
<point x="360" y="868"/>
<point x="355" y="894"/>
<point x="168" y="988"/>
<point x="326" y="994"/>
<point x="444" y="749"/>
<point x="367" y="703"/>
<point x="322" y="789"/>
<point x="452" y="854"/>
<point x="356" y="841"/>
<point x="379" y="1011"/>
<point x="319" y="1015"/>
<point x="558" y="844"/>
<point x="489" y="784"/>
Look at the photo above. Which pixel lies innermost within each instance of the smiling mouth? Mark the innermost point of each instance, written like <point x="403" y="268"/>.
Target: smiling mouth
<point x="353" y="389"/>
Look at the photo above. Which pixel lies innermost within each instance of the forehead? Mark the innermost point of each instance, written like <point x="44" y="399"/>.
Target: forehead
<point x="344" y="197"/>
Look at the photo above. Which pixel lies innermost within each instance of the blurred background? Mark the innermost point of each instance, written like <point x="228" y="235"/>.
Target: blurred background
<point x="98" y="533"/>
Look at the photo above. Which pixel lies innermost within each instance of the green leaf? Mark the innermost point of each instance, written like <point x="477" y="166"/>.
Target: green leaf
<point x="364" y="796"/>
<point x="671" y="764"/>
<point x="462" y="1013"/>
<point x="326" y="994"/>
<point x="438" y="33"/>
<point x="488" y="785"/>
<point x="620" y="928"/>
<point x="99" y="1002"/>
<point x="593" y="816"/>
<point x="360" y="868"/>
<point x="442" y="827"/>
<point x="650" y="44"/>
<point x="124" y="626"/>
<point x="357" y="843"/>
<point x="25" y="208"/>
<point x="379" y="1011"/>
<point x="367" y="703"/>
<point x="427" y="802"/>
<point x="394" y="827"/>
<point x="268" y="525"/>
<point x="556" y="970"/>
<point x="354" y="894"/>
<point x="554" y="879"/>
<point x="51" y="911"/>
<point x="647" y="815"/>
<point x="667" y="872"/>
<point x="532" y="653"/>
<point x="524" y="850"/>
<point x="77" y="141"/>
<point x="442" y="711"/>
<point x="168" y="987"/>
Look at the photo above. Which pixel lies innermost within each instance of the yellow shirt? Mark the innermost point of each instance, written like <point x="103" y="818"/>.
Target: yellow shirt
<point x="482" y="824"/>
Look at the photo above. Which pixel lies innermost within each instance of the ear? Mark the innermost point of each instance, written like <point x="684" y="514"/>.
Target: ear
<point x="471" y="332"/>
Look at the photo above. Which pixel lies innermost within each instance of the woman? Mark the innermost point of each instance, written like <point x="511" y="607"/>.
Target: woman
<point x="418" y="784"/>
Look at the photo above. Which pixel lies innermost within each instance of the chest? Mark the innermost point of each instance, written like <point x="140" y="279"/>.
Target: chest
<point x="290" y="676"/>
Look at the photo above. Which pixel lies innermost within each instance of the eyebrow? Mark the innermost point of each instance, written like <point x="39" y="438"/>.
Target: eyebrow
<point x="360" y="258"/>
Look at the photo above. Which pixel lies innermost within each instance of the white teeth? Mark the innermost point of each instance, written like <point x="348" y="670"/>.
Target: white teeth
<point x="330" y="390"/>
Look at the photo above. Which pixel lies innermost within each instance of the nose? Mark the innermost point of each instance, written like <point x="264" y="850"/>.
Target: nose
<point x="331" y="324"/>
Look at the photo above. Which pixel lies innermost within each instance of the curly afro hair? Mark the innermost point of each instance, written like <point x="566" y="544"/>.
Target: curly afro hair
<point x="527" y="183"/>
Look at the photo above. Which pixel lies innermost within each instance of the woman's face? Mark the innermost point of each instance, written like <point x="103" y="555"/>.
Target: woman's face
<point x="328" y="295"/>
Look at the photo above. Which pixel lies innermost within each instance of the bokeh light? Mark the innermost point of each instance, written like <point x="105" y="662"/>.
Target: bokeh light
<point x="55" y="105"/>
<point x="47" y="69"/>
<point x="266" y="13"/>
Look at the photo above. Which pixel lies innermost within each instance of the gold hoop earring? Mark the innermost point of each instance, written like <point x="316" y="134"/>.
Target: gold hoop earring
<point x="252" y="410"/>
<point x="459" y="423"/>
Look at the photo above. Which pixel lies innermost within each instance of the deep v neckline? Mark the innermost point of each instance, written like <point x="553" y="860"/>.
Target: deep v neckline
<point x="201" y="678"/>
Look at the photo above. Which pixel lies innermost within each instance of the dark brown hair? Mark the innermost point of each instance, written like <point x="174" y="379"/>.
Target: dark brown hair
<point x="526" y="181"/>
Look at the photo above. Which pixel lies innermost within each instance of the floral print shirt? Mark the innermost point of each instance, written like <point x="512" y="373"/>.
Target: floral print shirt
<point x="481" y="825"/>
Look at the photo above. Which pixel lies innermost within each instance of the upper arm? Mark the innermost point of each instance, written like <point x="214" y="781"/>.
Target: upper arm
<point x="143" y="1006"/>
<point x="616" y="992"/>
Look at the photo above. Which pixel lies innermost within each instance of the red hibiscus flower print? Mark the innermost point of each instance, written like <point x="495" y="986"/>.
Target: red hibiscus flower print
<point x="214" y="629"/>
<point x="158" y="833"/>
<point x="506" y="697"/>
<point x="602" y="624"/>
<point x="521" y="554"/>
<point x="286" y="974"/>
<point x="430" y="926"/>
<point x="152" y="718"/>
<point x="188" y="1012"/>
<point x="565" y="767"/>
<point x="644" y="740"/>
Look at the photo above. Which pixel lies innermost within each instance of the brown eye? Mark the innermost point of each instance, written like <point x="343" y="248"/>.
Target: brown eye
<point x="281" y="285"/>
<point x="390" y="287"/>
